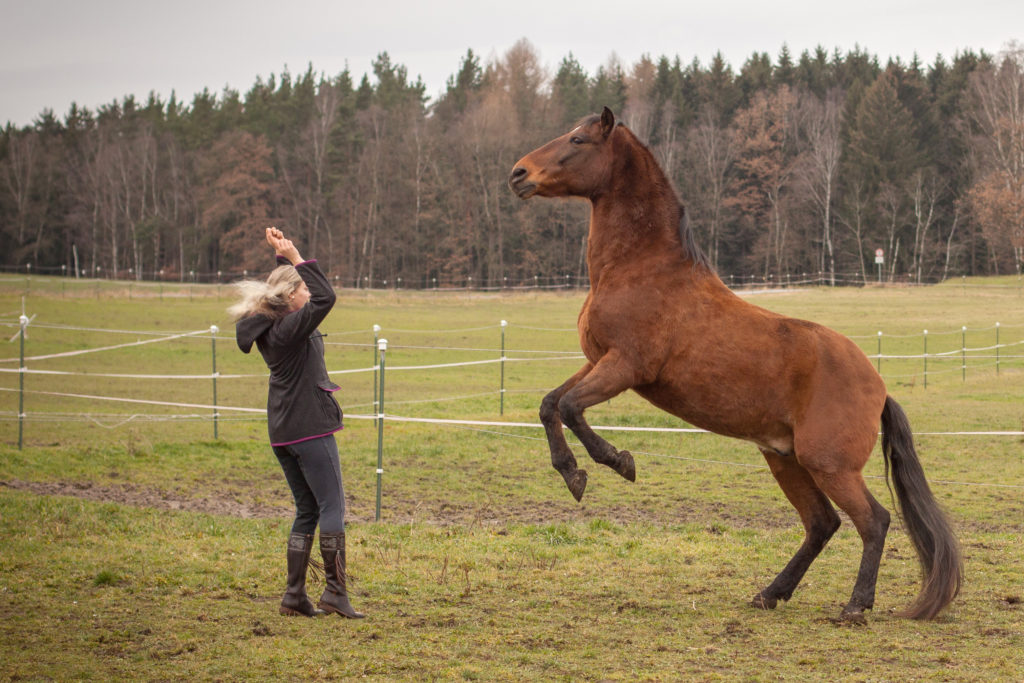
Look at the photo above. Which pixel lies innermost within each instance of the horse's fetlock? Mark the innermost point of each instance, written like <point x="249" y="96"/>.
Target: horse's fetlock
<point x="563" y="460"/>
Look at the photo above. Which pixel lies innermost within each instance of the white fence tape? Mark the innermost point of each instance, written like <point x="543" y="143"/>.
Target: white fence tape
<point x="444" y="421"/>
<point x="565" y="355"/>
<point x="138" y="400"/>
<point x="80" y="352"/>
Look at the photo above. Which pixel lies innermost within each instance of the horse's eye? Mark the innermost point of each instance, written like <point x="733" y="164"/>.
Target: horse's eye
<point x="576" y="140"/>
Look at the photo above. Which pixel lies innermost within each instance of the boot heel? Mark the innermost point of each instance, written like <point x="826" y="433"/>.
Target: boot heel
<point x="343" y="608"/>
<point x="290" y="612"/>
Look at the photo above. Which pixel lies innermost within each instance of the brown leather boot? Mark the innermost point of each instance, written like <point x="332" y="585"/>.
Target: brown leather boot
<point x="295" y="602"/>
<point x="335" y="597"/>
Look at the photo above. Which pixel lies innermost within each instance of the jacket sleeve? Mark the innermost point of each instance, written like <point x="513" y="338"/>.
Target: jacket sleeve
<point x="298" y="325"/>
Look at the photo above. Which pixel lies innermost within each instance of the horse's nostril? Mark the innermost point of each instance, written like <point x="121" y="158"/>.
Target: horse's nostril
<point x="518" y="173"/>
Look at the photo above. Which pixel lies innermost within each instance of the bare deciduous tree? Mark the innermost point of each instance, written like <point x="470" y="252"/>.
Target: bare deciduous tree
<point x="821" y="122"/>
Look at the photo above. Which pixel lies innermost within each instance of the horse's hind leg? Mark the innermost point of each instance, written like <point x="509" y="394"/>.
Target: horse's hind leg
<point x="609" y="377"/>
<point x="849" y="492"/>
<point x="562" y="457"/>
<point x="819" y="519"/>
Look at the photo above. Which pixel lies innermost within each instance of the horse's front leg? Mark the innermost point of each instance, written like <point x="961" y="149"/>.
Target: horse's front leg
<point x="610" y="377"/>
<point x="562" y="457"/>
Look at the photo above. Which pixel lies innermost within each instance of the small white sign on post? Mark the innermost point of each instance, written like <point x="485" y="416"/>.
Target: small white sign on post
<point x="879" y="256"/>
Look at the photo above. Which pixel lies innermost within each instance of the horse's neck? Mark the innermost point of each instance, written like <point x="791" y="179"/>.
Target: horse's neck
<point x="636" y="219"/>
<point x="633" y="223"/>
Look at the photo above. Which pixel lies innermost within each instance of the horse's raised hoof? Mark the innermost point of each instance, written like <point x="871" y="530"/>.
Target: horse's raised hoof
<point x="626" y="466"/>
<point x="761" y="601"/>
<point x="577" y="483"/>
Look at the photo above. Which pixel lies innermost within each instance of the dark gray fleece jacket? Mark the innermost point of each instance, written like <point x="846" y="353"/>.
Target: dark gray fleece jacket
<point x="300" y="400"/>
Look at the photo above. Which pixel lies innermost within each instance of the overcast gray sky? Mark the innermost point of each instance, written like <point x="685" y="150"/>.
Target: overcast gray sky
<point x="53" y="52"/>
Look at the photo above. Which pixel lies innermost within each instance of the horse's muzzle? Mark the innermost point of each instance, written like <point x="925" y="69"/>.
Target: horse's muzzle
<point x="518" y="183"/>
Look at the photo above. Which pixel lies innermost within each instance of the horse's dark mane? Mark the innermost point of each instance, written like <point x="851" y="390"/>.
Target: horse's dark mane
<point x="689" y="242"/>
<point x="686" y="237"/>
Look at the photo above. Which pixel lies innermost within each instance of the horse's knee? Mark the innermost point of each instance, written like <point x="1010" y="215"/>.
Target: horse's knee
<point x="569" y="412"/>
<point x="549" y="408"/>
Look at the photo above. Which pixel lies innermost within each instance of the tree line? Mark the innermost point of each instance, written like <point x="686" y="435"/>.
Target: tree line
<point x="789" y="165"/>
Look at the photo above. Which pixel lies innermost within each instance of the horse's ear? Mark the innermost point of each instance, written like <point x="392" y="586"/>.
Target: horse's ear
<point x="607" y="122"/>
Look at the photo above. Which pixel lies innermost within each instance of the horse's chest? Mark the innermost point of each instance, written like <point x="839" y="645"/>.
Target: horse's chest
<point x="621" y="322"/>
<point x="592" y="348"/>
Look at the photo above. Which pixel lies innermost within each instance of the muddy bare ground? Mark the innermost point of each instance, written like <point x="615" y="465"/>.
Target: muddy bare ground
<point x="400" y="510"/>
<point x="139" y="496"/>
<point x="403" y="510"/>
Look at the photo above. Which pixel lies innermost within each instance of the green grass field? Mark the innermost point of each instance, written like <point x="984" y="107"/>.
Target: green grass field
<point x="135" y="545"/>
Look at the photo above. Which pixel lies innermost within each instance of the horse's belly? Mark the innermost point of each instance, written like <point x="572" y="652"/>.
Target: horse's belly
<point x="728" y="415"/>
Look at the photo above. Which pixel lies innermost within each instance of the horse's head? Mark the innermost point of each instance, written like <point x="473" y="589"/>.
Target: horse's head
<point x="576" y="164"/>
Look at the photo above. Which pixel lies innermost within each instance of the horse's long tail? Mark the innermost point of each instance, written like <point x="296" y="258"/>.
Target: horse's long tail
<point x="924" y="520"/>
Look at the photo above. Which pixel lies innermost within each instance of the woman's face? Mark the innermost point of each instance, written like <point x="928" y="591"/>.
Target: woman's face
<point x="298" y="298"/>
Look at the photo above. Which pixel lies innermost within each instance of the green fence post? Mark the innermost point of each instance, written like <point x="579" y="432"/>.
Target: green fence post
<point x="963" y="353"/>
<point x="926" y="359"/>
<point x="376" y="337"/>
<point x="997" y="349"/>
<point x="501" y="404"/>
<point x="879" y="352"/>
<point x="213" y="354"/>
<point x="23" y="322"/>
<point x="382" y="346"/>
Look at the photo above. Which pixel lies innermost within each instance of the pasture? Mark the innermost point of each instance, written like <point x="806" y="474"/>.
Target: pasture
<point x="135" y="545"/>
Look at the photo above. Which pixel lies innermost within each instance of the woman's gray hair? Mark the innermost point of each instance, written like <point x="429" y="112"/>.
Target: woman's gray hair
<point x="269" y="297"/>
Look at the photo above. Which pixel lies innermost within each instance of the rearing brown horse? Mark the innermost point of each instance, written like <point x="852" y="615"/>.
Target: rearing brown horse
<point x="659" y="321"/>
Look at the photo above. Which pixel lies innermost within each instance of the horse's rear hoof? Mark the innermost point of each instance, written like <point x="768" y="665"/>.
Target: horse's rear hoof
<point x="761" y="601"/>
<point x="851" y="618"/>
<point x="627" y="467"/>
<point x="577" y="483"/>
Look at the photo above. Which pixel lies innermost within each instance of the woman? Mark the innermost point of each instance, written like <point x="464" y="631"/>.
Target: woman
<point x="281" y="316"/>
